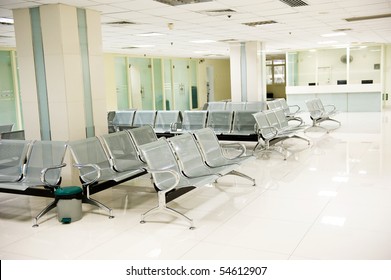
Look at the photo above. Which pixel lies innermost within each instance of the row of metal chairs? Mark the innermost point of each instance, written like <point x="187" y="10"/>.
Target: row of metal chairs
<point x="274" y="127"/>
<point x="31" y="168"/>
<point x="235" y="106"/>
<point x="189" y="159"/>
<point x="231" y="123"/>
<point x="320" y="113"/>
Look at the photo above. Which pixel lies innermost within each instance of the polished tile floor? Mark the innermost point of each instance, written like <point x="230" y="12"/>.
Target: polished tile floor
<point x="331" y="200"/>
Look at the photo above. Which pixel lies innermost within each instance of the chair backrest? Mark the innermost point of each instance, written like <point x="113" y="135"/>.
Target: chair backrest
<point x="16" y="134"/>
<point x="272" y="118"/>
<point x="244" y="122"/>
<point x="220" y="121"/>
<point x="123" y="118"/>
<point x="144" y="117"/>
<point x="45" y="154"/>
<point x="189" y="155"/>
<point x="235" y="106"/>
<point x="90" y="151"/>
<point x="216" y="105"/>
<point x="210" y="146"/>
<point x="122" y="151"/>
<point x="159" y="156"/>
<point x="273" y="104"/>
<point x="257" y="106"/>
<point x="314" y="108"/>
<point x="166" y="119"/>
<point x="6" y="127"/>
<point x="13" y="156"/>
<point x="193" y="120"/>
<point x="142" y="135"/>
<point x="281" y="117"/>
<point x="264" y="125"/>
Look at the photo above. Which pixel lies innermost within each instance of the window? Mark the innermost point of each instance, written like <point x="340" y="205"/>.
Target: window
<point x="275" y="71"/>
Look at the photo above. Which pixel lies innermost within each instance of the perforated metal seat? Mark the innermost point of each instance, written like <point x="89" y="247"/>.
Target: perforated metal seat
<point x="320" y="113"/>
<point x="244" y="123"/>
<point x="213" y="153"/>
<point x="140" y="136"/>
<point x="167" y="121"/>
<point x="144" y="117"/>
<point x="193" y="120"/>
<point x="95" y="166"/>
<point x="122" y="153"/>
<point x="42" y="168"/>
<point x="167" y="176"/>
<point x="13" y="155"/>
<point x="220" y="121"/>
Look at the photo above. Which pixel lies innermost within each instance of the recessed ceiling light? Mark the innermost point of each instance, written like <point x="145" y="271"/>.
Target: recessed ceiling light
<point x="8" y="21"/>
<point x="150" y="34"/>
<point x="327" y="42"/>
<point x="334" y="34"/>
<point x="203" y="41"/>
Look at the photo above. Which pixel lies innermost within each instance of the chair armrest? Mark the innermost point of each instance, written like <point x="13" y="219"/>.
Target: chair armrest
<point x="172" y="172"/>
<point x="316" y="114"/>
<point x="95" y="168"/>
<point x="333" y="108"/>
<point x="45" y="170"/>
<point x="294" y="111"/>
<point x="274" y="131"/>
<point x="241" y="147"/>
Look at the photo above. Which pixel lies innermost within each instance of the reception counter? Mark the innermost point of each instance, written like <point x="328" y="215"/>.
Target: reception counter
<point x="347" y="98"/>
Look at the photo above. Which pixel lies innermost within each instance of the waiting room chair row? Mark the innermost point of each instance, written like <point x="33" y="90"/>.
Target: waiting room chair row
<point x="185" y="161"/>
<point x="231" y="124"/>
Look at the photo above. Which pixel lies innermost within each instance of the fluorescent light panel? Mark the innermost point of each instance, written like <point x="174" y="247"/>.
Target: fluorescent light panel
<point x="4" y="20"/>
<point x="334" y="34"/>
<point x="150" y="34"/>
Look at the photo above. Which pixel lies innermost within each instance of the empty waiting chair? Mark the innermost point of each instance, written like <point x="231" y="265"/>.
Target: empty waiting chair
<point x="216" y="105"/>
<point x="122" y="151"/>
<point x="255" y="106"/>
<point x="144" y="117"/>
<point x="123" y="119"/>
<point x="94" y="167"/>
<point x="220" y="121"/>
<point x="140" y="136"/>
<point x="13" y="155"/>
<point x="193" y="120"/>
<point x="167" y="176"/>
<point x="45" y="160"/>
<point x="213" y="152"/>
<point x="167" y="121"/>
<point x="244" y="123"/>
<point x="192" y="161"/>
<point x="320" y="113"/>
<point x="235" y="106"/>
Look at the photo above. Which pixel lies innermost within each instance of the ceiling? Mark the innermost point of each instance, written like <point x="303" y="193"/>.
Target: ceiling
<point x="206" y="29"/>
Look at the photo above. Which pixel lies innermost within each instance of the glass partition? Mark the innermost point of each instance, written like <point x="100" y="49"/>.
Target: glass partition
<point x="121" y="82"/>
<point x="141" y="79"/>
<point x="181" y="75"/>
<point x="334" y="66"/>
<point x="8" y="98"/>
<point x="365" y="65"/>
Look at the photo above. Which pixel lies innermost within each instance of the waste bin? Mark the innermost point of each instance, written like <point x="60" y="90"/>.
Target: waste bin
<point x="69" y="204"/>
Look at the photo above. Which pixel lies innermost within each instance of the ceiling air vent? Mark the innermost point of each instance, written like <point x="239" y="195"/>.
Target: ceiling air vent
<point x="222" y="12"/>
<point x="258" y="23"/>
<point x="181" y="2"/>
<point x="121" y="22"/>
<point x="368" y="17"/>
<point x="294" y="3"/>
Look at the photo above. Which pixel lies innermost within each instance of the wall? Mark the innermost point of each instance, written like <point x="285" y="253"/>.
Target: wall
<point x="222" y="79"/>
